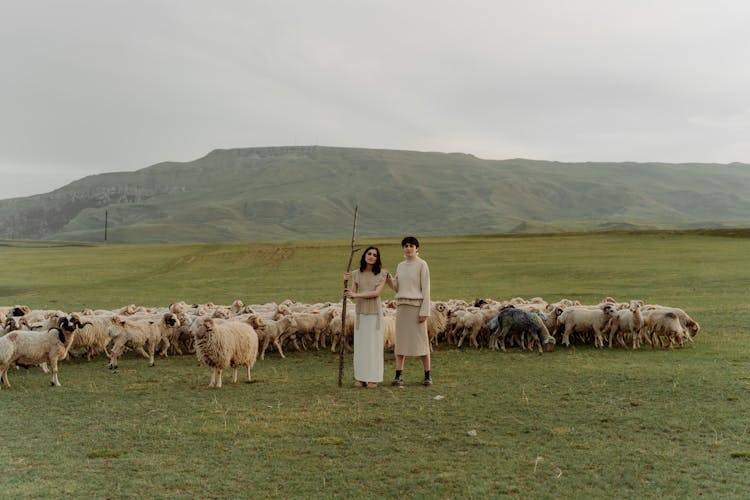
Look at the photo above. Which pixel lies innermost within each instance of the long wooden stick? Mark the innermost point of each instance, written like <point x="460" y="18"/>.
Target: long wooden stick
<point x="342" y="340"/>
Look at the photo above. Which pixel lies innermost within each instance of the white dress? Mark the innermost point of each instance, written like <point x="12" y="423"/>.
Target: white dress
<point x="368" y="330"/>
<point x="368" y="349"/>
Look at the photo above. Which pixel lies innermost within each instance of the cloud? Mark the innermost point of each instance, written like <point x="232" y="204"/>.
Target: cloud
<point x="92" y="86"/>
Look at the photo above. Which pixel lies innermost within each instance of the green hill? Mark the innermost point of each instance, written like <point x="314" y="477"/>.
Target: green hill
<point x="285" y="193"/>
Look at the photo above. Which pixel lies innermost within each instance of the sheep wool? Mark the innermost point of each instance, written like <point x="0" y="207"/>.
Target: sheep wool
<point x="222" y="343"/>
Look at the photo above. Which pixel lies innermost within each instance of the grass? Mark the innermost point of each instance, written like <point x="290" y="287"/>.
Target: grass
<point x="576" y="422"/>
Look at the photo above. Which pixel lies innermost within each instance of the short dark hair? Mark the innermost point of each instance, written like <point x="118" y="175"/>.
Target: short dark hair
<point x="410" y="239"/>
<point x="363" y="264"/>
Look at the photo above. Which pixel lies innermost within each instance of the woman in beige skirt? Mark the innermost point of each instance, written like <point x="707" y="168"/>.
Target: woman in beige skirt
<point x="412" y="287"/>
<point x="367" y="285"/>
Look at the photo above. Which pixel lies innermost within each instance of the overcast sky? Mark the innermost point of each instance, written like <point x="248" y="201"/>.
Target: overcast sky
<point x="93" y="86"/>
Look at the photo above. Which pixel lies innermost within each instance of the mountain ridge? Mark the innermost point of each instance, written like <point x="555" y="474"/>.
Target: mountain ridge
<point x="309" y="192"/>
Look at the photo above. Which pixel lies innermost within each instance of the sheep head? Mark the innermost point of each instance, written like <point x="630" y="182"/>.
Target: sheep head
<point x="256" y="322"/>
<point x="170" y="319"/>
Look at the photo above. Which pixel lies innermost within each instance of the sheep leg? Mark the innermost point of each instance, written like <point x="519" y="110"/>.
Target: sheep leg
<point x="266" y="342"/>
<point x="278" y="346"/>
<point x="4" y="376"/>
<point x="54" y="381"/>
<point x="536" y="340"/>
<point x="234" y="374"/>
<point x="566" y="335"/>
<point x="140" y="350"/>
<point x="334" y="342"/>
<point x="164" y="346"/>
<point x="295" y="344"/>
<point x="598" y="338"/>
<point x="249" y="378"/>
<point x="493" y="340"/>
<point x="474" y="335"/>
<point x="316" y="344"/>
<point x="464" y="332"/>
<point x="116" y="350"/>
<point x="219" y="376"/>
<point x="502" y="335"/>
<point x="213" y="378"/>
<point x="612" y="332"/>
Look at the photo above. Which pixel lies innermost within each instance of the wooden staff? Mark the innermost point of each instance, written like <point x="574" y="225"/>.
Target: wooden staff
<point x="342" y="340"/>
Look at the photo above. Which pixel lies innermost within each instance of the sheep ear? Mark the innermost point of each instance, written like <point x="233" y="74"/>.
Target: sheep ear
<point x="60" y="334"/>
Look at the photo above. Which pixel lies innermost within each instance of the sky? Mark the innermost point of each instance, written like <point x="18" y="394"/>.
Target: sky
<point x="95" y="86"/>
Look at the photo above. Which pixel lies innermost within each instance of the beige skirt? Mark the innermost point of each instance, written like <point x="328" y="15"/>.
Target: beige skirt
<point x="411" y="335"/>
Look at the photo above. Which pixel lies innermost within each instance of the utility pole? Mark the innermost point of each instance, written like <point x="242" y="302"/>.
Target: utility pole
<point x="106" y="219"/>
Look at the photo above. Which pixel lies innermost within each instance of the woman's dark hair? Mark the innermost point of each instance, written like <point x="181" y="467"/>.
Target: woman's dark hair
<point x="375" y="267"/>
<point x="410" y="239"/>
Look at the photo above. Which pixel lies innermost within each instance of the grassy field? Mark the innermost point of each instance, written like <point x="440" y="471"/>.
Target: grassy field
<point x="575" y="422"/>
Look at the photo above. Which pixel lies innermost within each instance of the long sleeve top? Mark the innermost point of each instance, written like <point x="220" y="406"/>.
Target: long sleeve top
<point x="412" y="284"/>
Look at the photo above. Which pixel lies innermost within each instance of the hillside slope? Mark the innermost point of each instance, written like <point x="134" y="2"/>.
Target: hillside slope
<point x="310" y="192"/>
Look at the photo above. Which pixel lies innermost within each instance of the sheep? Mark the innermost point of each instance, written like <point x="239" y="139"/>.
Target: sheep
<point x="513" y="320"/>
<point x="35" y="348"/>
<point x="44" y="320"/>
<point x="223" y="343"/>
<point x="93" y="334"/>
<point x="472" y="323"/>
<point x="271" y="331"/>
<point x="335" y="329"/>
<point x="626" y="321"/>
<point x="140" y="335"/>
<point x="453" y="325"/>
<point x="311" y="325"/>
<point x="13" y="323"/>
<point x="582" y="319"/>
<point x="662" y="322"/>
<point x="19" y="310"/>
<point x="436" y="321"/>
<point x="690" y="326"/>
<point x="389" y="331"/>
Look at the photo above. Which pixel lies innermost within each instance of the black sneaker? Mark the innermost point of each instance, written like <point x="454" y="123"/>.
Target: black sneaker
<point x="427" y="382"/>
<point x="398" y="381"/>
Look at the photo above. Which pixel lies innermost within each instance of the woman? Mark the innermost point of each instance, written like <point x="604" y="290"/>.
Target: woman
<point x="367" y="285"/>
<point x="412" y="287"/>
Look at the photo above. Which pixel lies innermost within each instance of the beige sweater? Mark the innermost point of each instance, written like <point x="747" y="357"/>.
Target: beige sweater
<point x="412" y="284"/>
<point x="368" y="282"/>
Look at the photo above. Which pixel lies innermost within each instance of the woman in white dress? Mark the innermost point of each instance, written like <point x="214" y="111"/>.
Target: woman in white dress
<point x="367" y="285"/>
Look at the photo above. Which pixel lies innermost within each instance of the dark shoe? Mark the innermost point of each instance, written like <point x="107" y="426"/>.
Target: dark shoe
<point x="427" y="382"/>
<point x="397" y="381"/>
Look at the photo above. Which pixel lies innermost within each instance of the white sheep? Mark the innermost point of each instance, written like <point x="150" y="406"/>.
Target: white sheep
<point x="389" y="331"/>
<point x="583" y="319"/>
<point x="271" y="331"/>
<point x="658" y="323"/>
<point x="690" y="326"/>
<point x="36" y="348"/>
<point x="473" y="323"/>
<point x="143" y="336"/>
<point x="92" y="336"/>
<point x="436" y="321"/>
<point x="626" y="321"/>
<point x="223" y="343"/>
<point x="13" y="323"/>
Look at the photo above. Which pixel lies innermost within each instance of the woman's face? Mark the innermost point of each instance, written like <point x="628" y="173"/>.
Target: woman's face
<point x="410" y="250"/>
<point x="371" y="257"/>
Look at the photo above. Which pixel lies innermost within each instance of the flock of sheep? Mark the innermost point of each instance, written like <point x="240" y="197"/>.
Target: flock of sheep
<point x="235" y="335"/>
